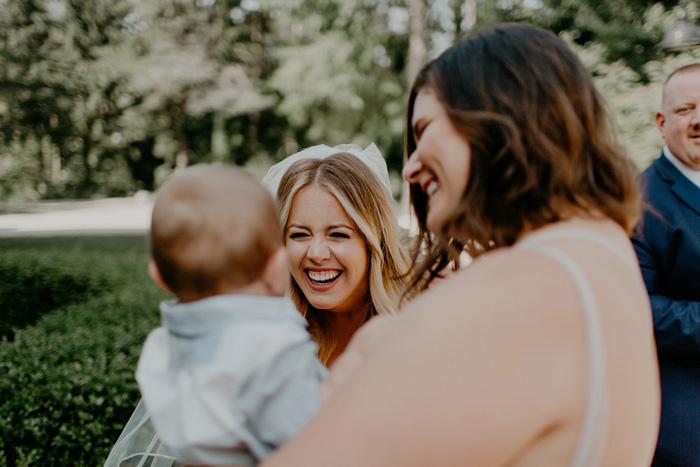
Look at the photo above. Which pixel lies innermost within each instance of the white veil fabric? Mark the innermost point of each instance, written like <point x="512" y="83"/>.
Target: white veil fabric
<point x="371" y="156"/>
<point x="139" y="445"/>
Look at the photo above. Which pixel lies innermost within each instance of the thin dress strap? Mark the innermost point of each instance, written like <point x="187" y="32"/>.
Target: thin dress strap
<point x="591" y="443"/>
<point x="541" y="237"/>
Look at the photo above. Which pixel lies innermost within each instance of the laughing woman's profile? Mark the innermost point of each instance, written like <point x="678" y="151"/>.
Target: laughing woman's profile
<point x="541" y="351"/>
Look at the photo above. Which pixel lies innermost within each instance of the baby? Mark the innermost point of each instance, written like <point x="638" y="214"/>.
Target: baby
<point x="232" y="373"/>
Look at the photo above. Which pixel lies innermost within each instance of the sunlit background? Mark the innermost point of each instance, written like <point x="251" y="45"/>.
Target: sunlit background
<point x="101" y="100"/>
<point x="106" y="98"/>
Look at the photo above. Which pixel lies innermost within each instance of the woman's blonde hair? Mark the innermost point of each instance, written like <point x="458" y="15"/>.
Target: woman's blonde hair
<point x="367" y="204"/>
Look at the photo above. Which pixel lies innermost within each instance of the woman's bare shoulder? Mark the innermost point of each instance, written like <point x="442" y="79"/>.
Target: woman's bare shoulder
<point x="507" y="284"/>
<point x="470" y="359"/>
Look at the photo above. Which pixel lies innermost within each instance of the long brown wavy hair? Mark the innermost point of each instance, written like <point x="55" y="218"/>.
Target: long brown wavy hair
<point x="541" y="142"/>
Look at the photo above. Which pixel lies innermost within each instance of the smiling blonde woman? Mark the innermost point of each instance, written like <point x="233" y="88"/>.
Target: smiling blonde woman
<point x="342" y="239"/>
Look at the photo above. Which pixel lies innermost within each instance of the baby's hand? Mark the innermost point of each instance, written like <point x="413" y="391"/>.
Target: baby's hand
<point x="355" y="354"/>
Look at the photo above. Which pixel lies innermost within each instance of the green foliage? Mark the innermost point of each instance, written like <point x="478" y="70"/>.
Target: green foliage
<point x="341" y="73"/>
<point x="31" y="285"/>
<point x="50" y="89"/>
<point x="111" y="90"/>
<point x="79" y="245"/>
<point x="108" y="97"/>
<point x="617" y="41"/>
<point x="19" y="168"/>
<point x="67" y="382"/>
<point x="633" y="102"/>
<point x="194" y="74"/>
<point x="627" y="30"/>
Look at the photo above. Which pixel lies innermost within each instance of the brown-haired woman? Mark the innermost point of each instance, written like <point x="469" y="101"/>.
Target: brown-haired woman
<point x="541" y="351"/>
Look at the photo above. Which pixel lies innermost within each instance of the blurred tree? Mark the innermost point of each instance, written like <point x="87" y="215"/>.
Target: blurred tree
<point x="341" y="72"/>
<point x="47" y="90"/>
<point x="189" y="76"/>
<point x="633" y="104"/>
<point x="627" y="30"/>
<point x="109" y="96"/>
<point x="618" y="43"/>
<point x="112" y="90"/>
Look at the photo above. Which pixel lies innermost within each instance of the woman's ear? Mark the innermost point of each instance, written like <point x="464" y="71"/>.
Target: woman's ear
<point x="276" y="273"/>
<point x="154" y="272"/>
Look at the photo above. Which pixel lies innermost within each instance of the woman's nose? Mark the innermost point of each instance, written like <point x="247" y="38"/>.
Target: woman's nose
<point x="318" y="250"/>
<point x="412" y="168"/>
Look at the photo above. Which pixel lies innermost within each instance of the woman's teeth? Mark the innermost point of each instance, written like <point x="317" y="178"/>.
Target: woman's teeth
<point x="430" y="189"/>
<point x="323" y="277"/>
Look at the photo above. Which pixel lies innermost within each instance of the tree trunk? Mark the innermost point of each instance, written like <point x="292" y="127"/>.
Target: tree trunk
<point x="469" y="18"/>
<point x="86" y="183"/>
<point x="220" y="150"/>
<point x="255" y="72"/>
<point x="417" y="53"/>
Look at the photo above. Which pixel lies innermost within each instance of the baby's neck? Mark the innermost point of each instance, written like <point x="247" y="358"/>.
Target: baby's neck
<point x="253" y="288"/>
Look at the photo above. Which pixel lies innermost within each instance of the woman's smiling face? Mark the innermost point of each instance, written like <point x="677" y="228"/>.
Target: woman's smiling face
<point x="441" y="162"/>
<point x="327" y="254"/>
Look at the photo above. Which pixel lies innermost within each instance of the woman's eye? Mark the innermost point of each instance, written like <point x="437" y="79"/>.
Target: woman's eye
<point x="339" y="235"/>
<point x="417" y="133"/>
<point x="297" y="235"/>
<point x="419" y="129"/>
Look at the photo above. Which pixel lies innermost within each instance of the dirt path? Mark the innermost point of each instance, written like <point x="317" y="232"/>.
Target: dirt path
<point x="104" y="216"/>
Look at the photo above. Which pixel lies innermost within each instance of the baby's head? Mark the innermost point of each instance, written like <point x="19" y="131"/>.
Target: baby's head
<point x="215" y="230"/>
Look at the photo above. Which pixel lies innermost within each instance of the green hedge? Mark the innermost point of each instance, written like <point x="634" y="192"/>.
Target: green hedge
<point x="67" y="382"/>
<point x="32" y="284"/>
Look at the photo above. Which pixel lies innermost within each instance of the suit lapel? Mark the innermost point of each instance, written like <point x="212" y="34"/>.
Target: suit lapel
<point x="683" y="188"/>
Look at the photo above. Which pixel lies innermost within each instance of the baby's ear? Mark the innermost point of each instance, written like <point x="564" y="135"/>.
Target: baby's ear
<point x="276" y="273"/>
<point x="154" y="272"/>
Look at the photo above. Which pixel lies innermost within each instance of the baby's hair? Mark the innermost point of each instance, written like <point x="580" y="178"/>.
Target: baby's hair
<point x="213" y="227"/>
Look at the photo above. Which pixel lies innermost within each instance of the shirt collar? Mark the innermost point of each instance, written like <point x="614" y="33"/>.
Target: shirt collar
<point x="691" y="174"/>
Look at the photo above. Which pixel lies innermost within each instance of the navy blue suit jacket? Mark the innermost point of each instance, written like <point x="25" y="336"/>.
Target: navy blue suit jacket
<point x="668" y="248"/>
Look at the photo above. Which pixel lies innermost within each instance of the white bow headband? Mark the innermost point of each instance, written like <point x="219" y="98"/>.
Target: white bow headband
<point x="370" y="156"/>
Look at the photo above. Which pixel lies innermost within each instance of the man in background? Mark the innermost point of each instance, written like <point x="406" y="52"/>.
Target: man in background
<point x="668" y="248"/>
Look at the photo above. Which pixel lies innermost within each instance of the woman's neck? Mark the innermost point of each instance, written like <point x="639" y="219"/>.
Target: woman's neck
<point x="342" y="326"/>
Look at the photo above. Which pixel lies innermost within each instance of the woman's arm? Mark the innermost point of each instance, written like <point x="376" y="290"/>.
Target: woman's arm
<point x="465" y="375"/>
